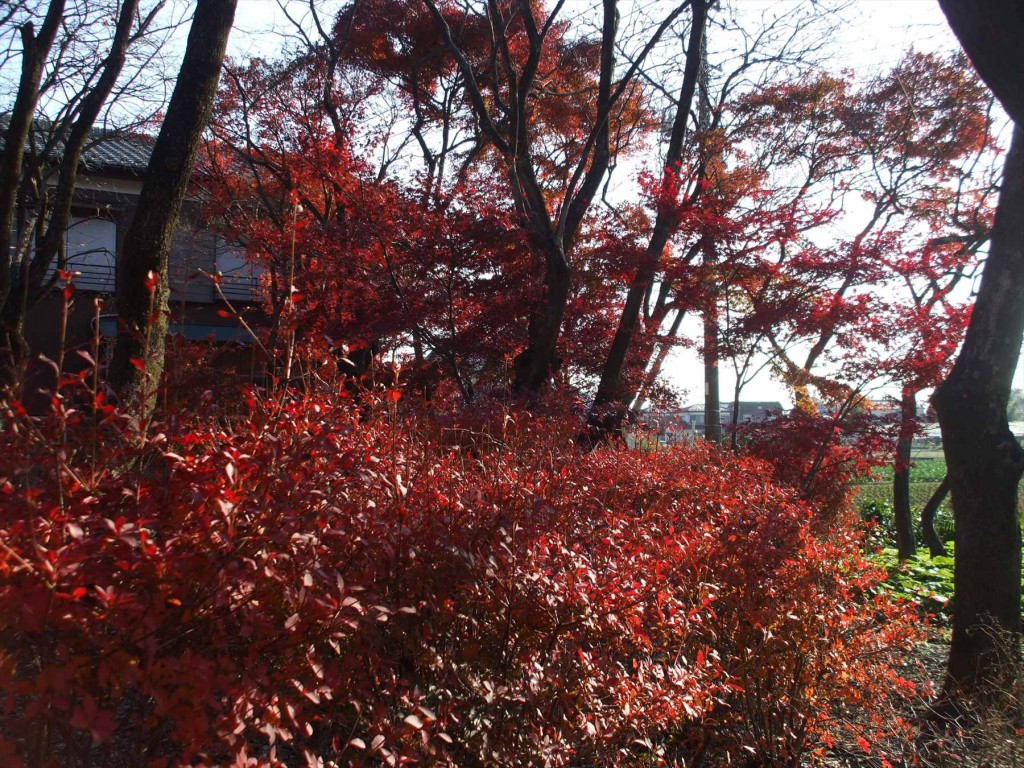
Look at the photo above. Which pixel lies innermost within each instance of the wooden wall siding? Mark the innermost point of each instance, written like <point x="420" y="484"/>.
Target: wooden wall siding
<point x="193" y="251"/>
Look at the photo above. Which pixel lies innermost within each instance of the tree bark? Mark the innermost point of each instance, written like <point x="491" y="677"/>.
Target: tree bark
<point x="535" y="364"/>
<point x="712" y="397"/>
<point x="142" y="289"/>
<point x="35" y="49"/>
<point x="984" y="462"/>
<point x="610" y="402"/>
<point x="906" y="545"/>
<point x="931" y="537"/>
<point x="992" y="32"/>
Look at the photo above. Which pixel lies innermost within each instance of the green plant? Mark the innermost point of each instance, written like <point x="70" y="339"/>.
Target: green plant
<point x="875" y="508"/>
<point x="927" y="582"/>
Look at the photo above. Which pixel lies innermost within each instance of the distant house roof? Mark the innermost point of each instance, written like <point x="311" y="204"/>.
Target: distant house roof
<point x="765" y="405"/>
<point x="107" y="151"/>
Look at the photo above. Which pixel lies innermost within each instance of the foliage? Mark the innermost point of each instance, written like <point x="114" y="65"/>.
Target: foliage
<point x="819" y="455"/>
<point x="1015" y="409"/>
<point x="324" y="573"/>
<point x="926" y="582"/>
<point x="421" y="229"/>
<point x="329" y="579"/>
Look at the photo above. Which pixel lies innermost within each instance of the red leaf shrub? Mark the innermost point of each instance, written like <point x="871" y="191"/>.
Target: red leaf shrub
<point x="819" y="456"/>
<point x="321" y="582"/>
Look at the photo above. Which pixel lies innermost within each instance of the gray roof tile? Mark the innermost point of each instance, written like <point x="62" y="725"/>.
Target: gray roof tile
<point x="117" y="152"/>
<point x="106" y="150"/>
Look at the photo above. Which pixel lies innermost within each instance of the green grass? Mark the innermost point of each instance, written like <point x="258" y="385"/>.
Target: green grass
<point x="923" y="581"/>
<point x="874" y="497"/>
<point x="924" y="469"/>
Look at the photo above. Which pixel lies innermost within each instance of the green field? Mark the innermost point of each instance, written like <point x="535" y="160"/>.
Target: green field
<point x="874" y="498"/>
<point x="926" y="582"/>
<point x="928" y="467"/>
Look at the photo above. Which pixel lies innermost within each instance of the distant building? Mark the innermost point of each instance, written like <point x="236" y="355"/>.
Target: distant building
<point x="687" y="423"/>
<point x="752" y="411"/>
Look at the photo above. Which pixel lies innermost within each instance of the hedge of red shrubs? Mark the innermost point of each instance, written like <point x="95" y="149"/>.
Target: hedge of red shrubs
<point x="308" y="581"/>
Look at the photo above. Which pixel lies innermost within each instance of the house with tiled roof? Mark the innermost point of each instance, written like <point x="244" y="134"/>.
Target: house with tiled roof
<point x="107" y="191"/>
<point x="106" y="196"/>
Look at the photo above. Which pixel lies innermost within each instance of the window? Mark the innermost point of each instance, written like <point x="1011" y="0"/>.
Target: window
<point x="91" y="245"/>
<point x="239" y="276"/>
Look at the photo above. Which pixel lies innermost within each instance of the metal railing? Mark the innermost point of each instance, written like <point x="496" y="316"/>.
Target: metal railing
<point x="93" y="276"/>
<point x="239" y="285"/>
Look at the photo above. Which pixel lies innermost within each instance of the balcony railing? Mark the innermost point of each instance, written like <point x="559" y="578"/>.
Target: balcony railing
<point x="93" y="274"/>
<point x="239" y="284"/>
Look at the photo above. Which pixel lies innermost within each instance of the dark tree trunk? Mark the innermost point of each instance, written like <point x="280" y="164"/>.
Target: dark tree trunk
<point x="992" y="33"/>
<point x="659" y="352"/>
<point x="35" y="49"/>
<point x="712" y="398"/>
<point x="984" y="462"/>
<point x="931" y="537"/>
<point x="610" y="402"/>
<point x="137" y="363"/>
<point x="906" y="545"/>
<point x="534" y="366"/>
<point x="511" y="137"/>
<point x="29" y="285"/>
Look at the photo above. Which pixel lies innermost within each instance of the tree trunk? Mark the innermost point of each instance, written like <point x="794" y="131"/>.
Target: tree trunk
<point x="28" y="287"/>
<point x="931" y="537"/>
<point x="659" y="351"/>
<point x="142" y="289"/>
<point x="983" y="459"/>
<point x="992" y="33"/>
<point x="534" y="366"/>
<point x="35" y="49"/>
<point x="610" y="402"/>
<point x="712" y="400"/>
<point x="906" y="545"/>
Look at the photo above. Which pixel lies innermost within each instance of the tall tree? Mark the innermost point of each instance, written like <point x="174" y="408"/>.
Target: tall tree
<point x="142" y="290"/>
<point x="72" y="74"/>
<point x="677" y="270"/>
<point x="55" y="208"/>
<point x="416" y="259"/>
<point x="608" y="407"/>
<point x="35" y="49"/>
<point x="502" y="95"/>
<point x="984" y="460"/>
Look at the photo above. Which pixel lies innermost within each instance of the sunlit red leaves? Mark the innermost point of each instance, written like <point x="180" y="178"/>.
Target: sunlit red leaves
<point x="430" y="600"/>
<point x="928" y="108"/>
